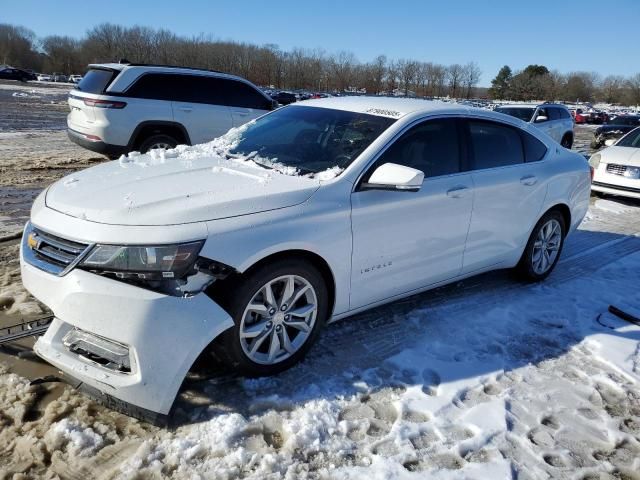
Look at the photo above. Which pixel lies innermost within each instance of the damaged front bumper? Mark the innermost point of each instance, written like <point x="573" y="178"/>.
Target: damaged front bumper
<point x="129" y="347"/>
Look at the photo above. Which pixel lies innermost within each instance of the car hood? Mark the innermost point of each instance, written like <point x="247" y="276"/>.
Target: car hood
<point x="621" y="156"/>
<point x="155" y="190"/>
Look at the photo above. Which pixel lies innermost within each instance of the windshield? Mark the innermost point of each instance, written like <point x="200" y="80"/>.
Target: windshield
<point x="309" y="139"/>
<point x="95" y="81"/>
<point x="632" y="139"/>
<point x="523" y="113"/>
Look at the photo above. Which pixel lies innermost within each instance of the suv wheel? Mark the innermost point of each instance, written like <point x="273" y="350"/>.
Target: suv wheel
<point x="567" y="141"/>
<point x="278" y="312"/>
<point x="543" y="248"/>
<point x="158" y="141"/>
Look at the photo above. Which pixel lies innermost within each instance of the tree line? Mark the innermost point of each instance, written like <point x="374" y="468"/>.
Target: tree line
<point x="537" y="82"/>
<point x="266" y="65"/>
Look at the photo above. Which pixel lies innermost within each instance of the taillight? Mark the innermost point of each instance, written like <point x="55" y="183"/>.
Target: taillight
<point x="92" y="102"/>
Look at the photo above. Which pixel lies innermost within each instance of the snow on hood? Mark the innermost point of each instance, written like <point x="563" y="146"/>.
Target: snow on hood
<point x="183" y="185"/>
<point x="621" y="155"/>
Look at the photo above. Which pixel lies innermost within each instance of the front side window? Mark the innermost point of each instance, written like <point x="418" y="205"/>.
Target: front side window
<point x="494" y="145"/>
<point x="432" y="147"/>
<point x="309" y="139"/>
<point x="523" y="113"/>
<point x="240" y="94"/>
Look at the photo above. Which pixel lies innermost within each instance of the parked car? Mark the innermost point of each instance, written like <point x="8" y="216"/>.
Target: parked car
<point x="59" y="77"/>
<point x="75" y="78"/>
<point x="553" y="119"/>
<point x="10" y="73"/>
<point x="580" y="116"/>
<point x="284" y="98"/>
<point x="349" y="203"/>
<point x="614" y="129"/>
<point x="597" y="117"/>
<point x="43" y="77"/>
<point x="616" y="169"/>
<point x="117" y="108"/>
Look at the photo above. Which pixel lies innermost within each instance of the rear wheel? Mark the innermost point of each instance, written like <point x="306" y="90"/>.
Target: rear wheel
<point x="158" y="141"/>
<point x="278" y="312"/>
<point x="543" y="248"/>
<point x="567" y="141"/>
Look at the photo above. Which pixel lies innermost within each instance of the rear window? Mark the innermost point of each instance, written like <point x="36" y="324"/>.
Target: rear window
<point x="96" y="80"/>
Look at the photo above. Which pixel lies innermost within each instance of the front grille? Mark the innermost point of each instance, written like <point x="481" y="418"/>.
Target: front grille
<point x="50" y="252"/>
<point x="616" y="169"/>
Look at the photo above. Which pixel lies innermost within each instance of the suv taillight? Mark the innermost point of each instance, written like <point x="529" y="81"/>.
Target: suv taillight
<point x="91" y="102"/>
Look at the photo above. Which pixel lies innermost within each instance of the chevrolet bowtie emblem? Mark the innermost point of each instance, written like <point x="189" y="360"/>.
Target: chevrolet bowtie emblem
<point x="32" y="241"/>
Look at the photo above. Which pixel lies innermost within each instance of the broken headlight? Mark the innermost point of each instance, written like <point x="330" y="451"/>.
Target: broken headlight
<point x="144" y="262"/>
<point x="170" y="269"/>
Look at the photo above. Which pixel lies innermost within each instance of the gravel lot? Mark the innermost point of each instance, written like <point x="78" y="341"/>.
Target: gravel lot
<point x="263" y="429"/>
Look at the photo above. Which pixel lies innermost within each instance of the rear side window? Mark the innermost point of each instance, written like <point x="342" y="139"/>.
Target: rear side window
<point x="534" y="149"/>
<point x="564" y="113"/>
<point x="494" y="145"/>
<point x="240" y="94"/>
<point x="554" y="113"/>
<point x="432" y="147"/>
<point x="154" y="86"/>
<point x="96" y="80"/>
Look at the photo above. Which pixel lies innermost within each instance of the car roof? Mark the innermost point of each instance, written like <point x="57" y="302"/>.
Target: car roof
<point x="531" y="105"/>
<point x="394" y="107"/>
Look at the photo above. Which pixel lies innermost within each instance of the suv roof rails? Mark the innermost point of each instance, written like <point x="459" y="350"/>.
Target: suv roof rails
<point x="175" y="66"/>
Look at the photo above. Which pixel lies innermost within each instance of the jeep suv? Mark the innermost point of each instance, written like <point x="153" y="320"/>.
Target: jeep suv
<point x="119" y="108"/>
<point x="553" y="119"/>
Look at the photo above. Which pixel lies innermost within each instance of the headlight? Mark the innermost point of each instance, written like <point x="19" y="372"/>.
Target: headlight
<point x="157" y="262"/>
<point x="594" y="161"/>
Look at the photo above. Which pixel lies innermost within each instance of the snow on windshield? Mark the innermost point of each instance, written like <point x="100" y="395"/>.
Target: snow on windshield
<point x="221" y="148"/>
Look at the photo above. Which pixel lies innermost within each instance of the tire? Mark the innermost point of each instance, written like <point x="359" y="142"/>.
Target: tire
<point x="158" y="141"/>
<point x="567" y="141"/>
<point x="276" y="320"/>
<point x="532" y="267"/>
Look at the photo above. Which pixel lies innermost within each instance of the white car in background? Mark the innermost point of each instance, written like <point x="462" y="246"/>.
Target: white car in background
<point x="43" y="77"/>
<point x="121" y="107"/>
<point x="75" y="78"/>
<point x="248" y="245"/>
<point x="616" y="169"/>
<point x="552" y="118"/>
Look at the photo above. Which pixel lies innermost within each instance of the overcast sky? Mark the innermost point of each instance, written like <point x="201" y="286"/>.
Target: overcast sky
<point x="568" y="35"/>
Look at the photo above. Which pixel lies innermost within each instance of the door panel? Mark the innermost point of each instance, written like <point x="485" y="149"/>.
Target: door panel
<point x="243" y="115"/>
<point x="203" y="122"/>
<point x="508" y="193"/>
<point x="407" y="240"/>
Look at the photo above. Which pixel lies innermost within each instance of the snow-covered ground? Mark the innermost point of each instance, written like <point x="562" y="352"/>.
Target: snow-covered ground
<point x="485" y="379"/>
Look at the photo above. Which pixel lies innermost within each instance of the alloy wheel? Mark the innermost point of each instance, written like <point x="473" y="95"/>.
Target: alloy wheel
<point x="546" y="246"/>
<point x="278" y="319"/>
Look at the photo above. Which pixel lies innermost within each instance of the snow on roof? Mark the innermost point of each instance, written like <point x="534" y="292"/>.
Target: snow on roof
<point x="393" y="107"/>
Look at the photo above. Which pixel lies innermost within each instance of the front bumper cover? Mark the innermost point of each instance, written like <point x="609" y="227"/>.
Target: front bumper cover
<point x="164" y="334"/>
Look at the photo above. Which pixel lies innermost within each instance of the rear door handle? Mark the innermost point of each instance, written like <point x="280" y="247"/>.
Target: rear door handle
<point x="529" y="180"/>
<point x="185" y="109"/>
<point x="242" y="114"/>
<point x="457" y="191"/>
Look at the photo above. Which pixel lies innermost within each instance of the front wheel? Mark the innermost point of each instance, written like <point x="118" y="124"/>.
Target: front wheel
<point x="278" y="312"/>
<point x="543" y="248"/>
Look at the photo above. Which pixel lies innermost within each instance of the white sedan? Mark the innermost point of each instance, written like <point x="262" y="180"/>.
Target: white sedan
<point x="250" y="244"/>
<point x="616" y="169"/>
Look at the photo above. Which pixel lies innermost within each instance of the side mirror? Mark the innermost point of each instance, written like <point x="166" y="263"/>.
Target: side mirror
<point x="609" y="141"/>
<point x="273" y="105"/>
<point x="541" y="118"/>
<point x="391" y="176"/>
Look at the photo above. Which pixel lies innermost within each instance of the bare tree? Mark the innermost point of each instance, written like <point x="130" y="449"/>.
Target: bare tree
<point x="470" y="77"/>
<point x="454" y="78"/>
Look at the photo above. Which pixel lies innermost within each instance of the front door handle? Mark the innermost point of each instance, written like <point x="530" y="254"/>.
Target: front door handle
<point x="458" y="191"/>
<point x="242" y="114"/>
<point x="529" y="180"/>
<point x="186" y="109"/>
